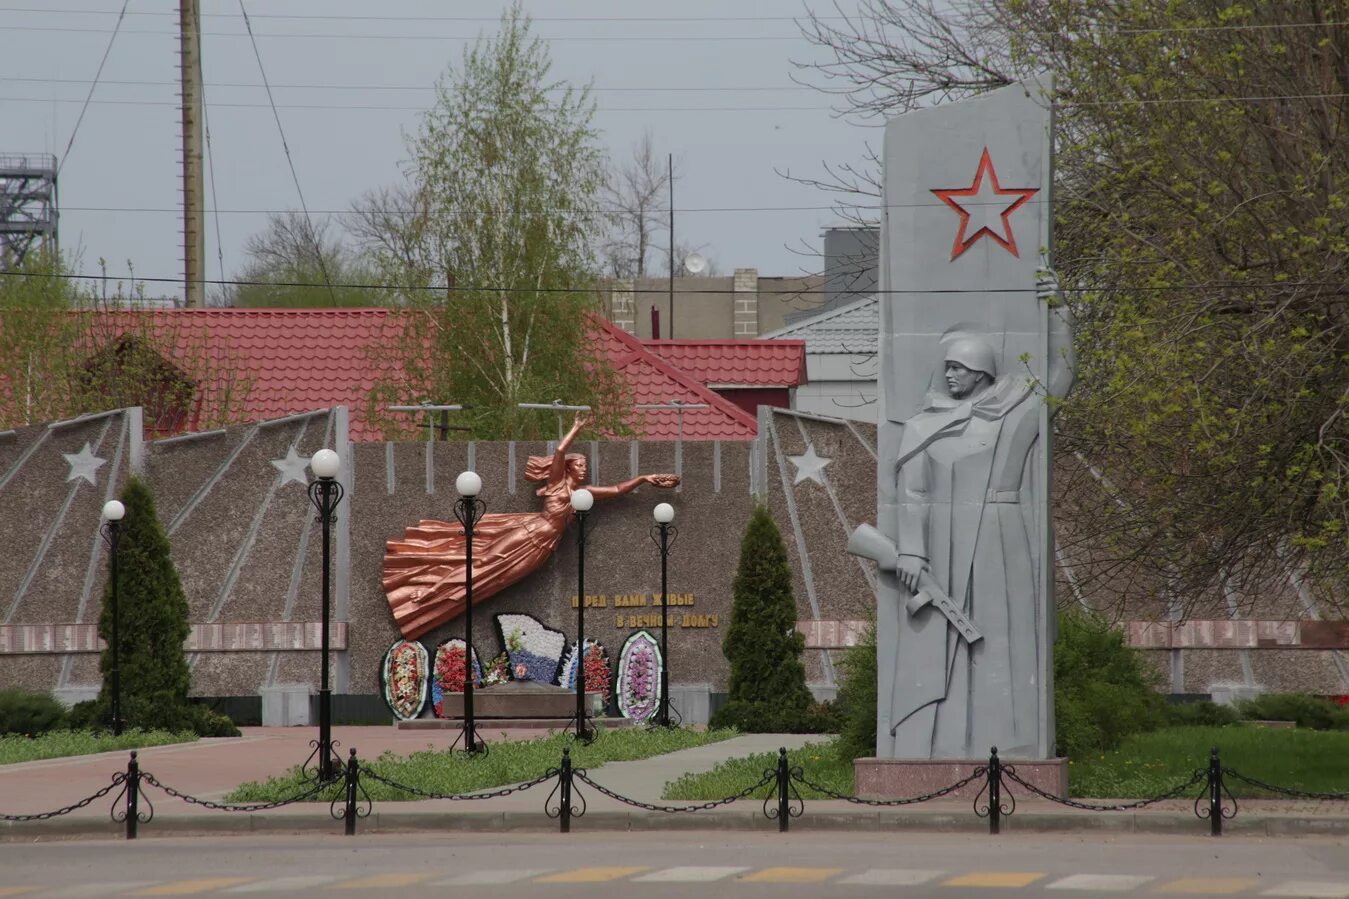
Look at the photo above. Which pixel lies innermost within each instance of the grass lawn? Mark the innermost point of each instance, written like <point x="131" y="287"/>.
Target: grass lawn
<point x="818" y="761"/>
<point x="1149" y="764"/>
<point x="61" y="743"/>
<point x="1145" y="765"/>
<point x="505" y="763"/>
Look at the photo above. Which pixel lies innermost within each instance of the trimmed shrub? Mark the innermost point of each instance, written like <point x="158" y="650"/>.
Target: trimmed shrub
<point x="30" y="714"/>
<point x="1312" y="712"/>
<point x="1103" y="690"/>
<point x="767" y="718"/>
<point x="857" y="699"/>
<point x="1201" y="714"/>
<point x="153" y="624"/>
<point x="768" y="680"/>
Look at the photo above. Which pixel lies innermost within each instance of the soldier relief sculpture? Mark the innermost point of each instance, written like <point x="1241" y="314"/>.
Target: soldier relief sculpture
<point x="424" y="572"/>
<point x="966" y="670"/>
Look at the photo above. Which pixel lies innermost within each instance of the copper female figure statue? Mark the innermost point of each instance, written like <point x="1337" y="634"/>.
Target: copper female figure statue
<point x="424" y="572"/>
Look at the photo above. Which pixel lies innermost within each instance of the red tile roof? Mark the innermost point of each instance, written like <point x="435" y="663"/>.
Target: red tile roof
<point x="289" y="360"/>
<point x="742" y="363"/>
<point x="655" y="380"/>
<point x="301" y="360"/>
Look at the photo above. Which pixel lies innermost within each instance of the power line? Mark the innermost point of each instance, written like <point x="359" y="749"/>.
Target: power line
<point x="793" y="88"/>
<point x="294" y="176"/>
<point x="337" y="35"/>
<point x="405" y="18"/>
<point x="386" y="107"/>
<point x="1276" y="286"/>
<point x="331" y="17"/>
<point x="367" y="107"/>
<point x="92" y="86"/>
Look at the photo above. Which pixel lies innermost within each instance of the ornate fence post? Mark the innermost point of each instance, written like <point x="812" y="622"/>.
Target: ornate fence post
<point x="565" y="783"/>
<point x="353" y="773"/>
<point x="133" y="792"/>
<point x="784" y="784"/>
<point x="994" y="792"/>
<point x="1215" y="794"/>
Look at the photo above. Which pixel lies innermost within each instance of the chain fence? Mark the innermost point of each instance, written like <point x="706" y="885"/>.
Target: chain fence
<point x="117" y="780"/>
<point x="431" y="794"/>
<point x="1285" y="791"/>
<point x="349" y="800"/>
<point x="977" y="773"/>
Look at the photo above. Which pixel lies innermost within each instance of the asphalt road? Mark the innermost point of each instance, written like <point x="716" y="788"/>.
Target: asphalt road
<point x="682" y="864"/>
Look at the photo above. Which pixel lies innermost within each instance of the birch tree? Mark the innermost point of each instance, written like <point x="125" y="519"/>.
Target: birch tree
<point x="498" y="273"/>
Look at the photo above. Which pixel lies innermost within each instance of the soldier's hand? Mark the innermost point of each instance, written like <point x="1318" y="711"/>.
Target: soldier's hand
<point x="908" y="569"/>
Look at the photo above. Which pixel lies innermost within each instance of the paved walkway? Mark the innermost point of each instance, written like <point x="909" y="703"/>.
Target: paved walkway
<point x="211" y="768"/>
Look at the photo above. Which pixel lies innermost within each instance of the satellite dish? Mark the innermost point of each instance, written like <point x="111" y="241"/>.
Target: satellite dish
<point x="694" y="264"/>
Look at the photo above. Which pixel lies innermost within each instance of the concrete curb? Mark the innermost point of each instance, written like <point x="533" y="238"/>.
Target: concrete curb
<point x="318" y="821"/>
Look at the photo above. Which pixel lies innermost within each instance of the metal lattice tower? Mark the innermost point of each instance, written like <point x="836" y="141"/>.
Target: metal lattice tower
<point x="28" y="208"/>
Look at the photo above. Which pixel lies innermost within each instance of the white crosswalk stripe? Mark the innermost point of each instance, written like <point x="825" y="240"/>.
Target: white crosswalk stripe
<point x="491" y="877"/>
<point x="1310" y="889"/>
<point x="94" y="890"/>
<point x="891" y="877"/>
<point x="690" y="874"/>
<point x="1103" y="883"/>
<point x="285" y="884"/>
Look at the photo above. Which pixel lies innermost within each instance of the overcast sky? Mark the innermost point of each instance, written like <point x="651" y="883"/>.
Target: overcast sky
<point x="710" y="80"/>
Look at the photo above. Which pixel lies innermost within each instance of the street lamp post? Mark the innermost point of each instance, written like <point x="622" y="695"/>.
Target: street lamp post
<point x="664" y="534"/>
<point x="113" y="511"/>
<point x="326" y="493"/>
<point x="468" y="509"/>
<point x="581" y="502"/>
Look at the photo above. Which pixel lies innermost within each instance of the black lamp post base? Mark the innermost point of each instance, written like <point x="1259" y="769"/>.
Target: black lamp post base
<point x="584" y="730"/>
<point x="473" y="744"/>
<point x="324" y="765"/>
<point x="667" y="715"/>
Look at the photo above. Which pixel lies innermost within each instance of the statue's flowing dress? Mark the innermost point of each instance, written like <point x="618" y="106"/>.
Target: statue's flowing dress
<point x="424" y="573"/>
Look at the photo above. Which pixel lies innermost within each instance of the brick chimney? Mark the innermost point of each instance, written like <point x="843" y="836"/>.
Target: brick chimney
<point x="745" y="295"/>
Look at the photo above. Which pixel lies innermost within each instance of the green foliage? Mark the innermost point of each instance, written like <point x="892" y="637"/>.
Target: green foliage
<point x="498" y="265"/>
<point x="55" y="744"/>
<point x="37" y="332"/>
<point x="293" y="263"/>
<point x="66" y="350"/>
<point x="1201" y="228"/>
<point x="857" y="699"/>
<point x="822" y="763"/>
<point x="152" y="626"/>
<point x="1147" y="764"/>
<point x="29" y="714"/>
<point x="1201" y="714"/>
<point x="508" y="762"/>
<point x="1314" y="712"/>
<point x="770" y="718"/>
<point x="1103" y="690"/>
<point x="762" y="643"/>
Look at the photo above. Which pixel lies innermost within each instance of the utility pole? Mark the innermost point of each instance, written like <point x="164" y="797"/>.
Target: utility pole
<point x="194" y="217"/>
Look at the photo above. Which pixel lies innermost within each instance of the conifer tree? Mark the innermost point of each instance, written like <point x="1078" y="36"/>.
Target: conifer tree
<point x="152" y="627"/>
<point x="768" y="680"/>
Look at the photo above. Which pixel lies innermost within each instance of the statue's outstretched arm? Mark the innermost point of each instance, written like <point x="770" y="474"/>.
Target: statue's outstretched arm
<point x="1062" y="357"/>
<point x="655" y="480"/>
<point x="559" y="462"/>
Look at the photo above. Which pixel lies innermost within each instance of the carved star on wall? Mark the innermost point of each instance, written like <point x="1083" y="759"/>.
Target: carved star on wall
<point x="293" y="468"/>
<point x="809" y="466"/>
<point x="985" y="208"/>
<point x="84" y="464"/>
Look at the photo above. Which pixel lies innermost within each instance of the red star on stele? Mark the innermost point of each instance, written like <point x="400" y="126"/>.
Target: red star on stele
<point x="990" y="203"/>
